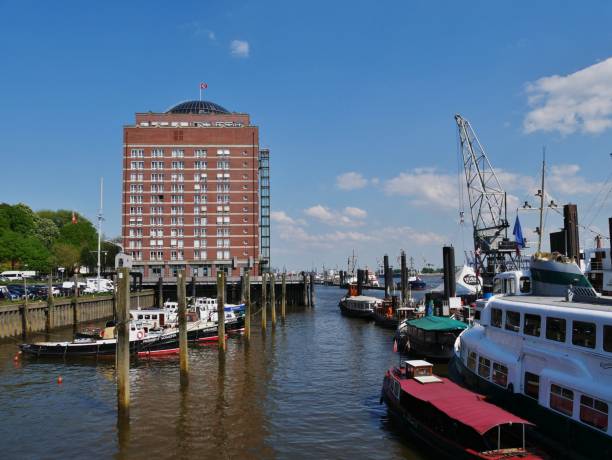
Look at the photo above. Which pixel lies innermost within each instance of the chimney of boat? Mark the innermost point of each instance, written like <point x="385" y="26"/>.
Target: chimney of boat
<point x="448" y="261"/>
<point x="404" y="275"/>
<point x="386" y="271"/>
<point x="359" y="281"/>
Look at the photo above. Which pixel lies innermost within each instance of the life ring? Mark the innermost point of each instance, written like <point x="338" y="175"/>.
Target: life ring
<point x="140" y="335"/>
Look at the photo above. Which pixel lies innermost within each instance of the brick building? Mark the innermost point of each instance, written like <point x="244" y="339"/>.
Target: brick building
<point x="191" y="191"/>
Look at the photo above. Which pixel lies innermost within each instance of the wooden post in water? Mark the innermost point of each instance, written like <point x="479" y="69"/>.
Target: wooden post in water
<point x="247" y="305"/>
<point x="305" y="291"/>
<point x="312" y="290"/>
<point x="75" y="304"/>
<point x="221" y="309"/>
<point x="283" y="294"/>
<point x="264" y="302"/>
<point x="193" y="288"/>
<point x="160" y="292"/>
<point x="123" y="343"/>
<point x="50" y="305"/>
<point x="273" y="298"/>
<point x="181" y="291"/>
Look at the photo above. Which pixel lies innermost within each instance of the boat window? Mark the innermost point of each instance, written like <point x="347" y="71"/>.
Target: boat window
<point x="607" y="341"/>
<point x="555" y="329"/>
<point x="497" y="286"/>
<point x="430" y="336"/>
<point x="396" y="389"/>
<point x="583" y="334"/>
<point x="477" y="315"/>
<point x="471" y="361"/>
<point x="532" y="385"/>
<point x="484" y="367"/>
<point x="532" y="325"/>
<point x="594" y="412"/>
<point x="561" y="399"/>
<point x="147" y="316"/>
<point x="525" y="284"/>
<point x="500" y="375"/>
<point x="509" y="286"/>
<point x="496" y="317"/>
<point x="513" y="321"/>
<point x="139" y="317"/>
<point x="154" y="316"/>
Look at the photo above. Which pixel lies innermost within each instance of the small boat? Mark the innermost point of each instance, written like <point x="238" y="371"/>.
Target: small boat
<point x="389" y="314"/>
<point x="432" y="337"/>
<point x="416" y="283"/>
<point x="451" y="420"/>
<point x="361" y="306"/>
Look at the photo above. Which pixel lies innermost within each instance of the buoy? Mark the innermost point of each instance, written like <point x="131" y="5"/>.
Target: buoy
<point x="59" y="379"/>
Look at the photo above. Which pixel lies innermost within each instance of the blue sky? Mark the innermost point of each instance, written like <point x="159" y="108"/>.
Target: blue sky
<point x="336" y="87"/>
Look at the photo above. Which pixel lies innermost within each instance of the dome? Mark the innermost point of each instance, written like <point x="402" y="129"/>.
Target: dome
<point x="197" y="107"/>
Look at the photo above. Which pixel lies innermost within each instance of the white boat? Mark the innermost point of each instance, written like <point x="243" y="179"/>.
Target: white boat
<point x="542" y="345"/>
<point x="361" y="306"/>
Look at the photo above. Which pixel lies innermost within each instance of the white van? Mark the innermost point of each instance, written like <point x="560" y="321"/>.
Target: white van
<point x="12" y="275"/>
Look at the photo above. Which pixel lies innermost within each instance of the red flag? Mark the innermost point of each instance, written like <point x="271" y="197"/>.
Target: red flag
<point x="203" y="85"/>
<point x="74" y="218"/>
<point x="394" y="345"/>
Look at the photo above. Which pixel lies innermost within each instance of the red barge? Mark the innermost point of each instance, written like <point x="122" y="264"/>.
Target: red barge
<point x="455" y="422"/>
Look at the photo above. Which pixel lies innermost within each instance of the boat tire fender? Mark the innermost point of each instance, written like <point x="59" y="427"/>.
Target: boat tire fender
<point x="140" y="335"/>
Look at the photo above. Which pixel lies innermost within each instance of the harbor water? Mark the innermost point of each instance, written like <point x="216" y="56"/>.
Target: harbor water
<point x="308" y="388"/>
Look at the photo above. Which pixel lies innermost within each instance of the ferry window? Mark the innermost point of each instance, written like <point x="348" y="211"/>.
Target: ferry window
<point x="583" y="334"/>
<point x="532" y="385"/>
<point x="477" y="315"/>
<point x="497" y="286"/>
<point x="496" y="317"/>
<point x="147" y="316"/>
<point x="484" y="367"/>
<point x="555" y="329"/>
<point x="561" y="399"/>
<point x="154" y="316"/>
<point x="513" y="320"/>
<point x="594" y="412"/>
<point x="532" y="325"/>
<point x="607" y="341"/>
<point x="525" y="284"/>
<point x="500" y="375"/>
<point x="396" y="389"/>
<point x="471" y="361"/>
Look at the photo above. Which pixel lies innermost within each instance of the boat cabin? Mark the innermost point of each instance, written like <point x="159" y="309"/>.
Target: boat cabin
<point x="516" y="282"/>
<point x="421" y="371"/>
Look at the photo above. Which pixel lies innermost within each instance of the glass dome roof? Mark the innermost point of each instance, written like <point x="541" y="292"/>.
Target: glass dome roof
<point x="197" y="107"/>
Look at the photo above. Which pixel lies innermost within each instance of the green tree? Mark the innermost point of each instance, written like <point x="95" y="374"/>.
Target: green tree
<point x="65" y="255"/>
<point x="45" y="230"/>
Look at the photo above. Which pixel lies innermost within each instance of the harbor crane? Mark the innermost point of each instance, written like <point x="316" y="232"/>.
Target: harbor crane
<point x="493" y="252"/>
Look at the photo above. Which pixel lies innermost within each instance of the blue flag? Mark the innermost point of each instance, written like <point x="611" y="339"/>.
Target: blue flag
<point x="518" y="233"/>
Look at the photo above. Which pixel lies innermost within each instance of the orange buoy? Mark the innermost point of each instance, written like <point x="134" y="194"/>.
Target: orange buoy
<point x="59" y="379"/>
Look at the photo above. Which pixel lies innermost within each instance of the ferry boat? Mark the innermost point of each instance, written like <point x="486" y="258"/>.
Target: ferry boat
<point x="360" y="306"/>
<point x="389" y="314"/>
<point x="451" y="420"/>
<point x="432" y="337"/>
<point x="542" y="345"/>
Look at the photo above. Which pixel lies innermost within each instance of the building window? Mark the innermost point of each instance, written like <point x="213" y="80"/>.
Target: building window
<point x="561" y="399"/>
<point x="137" y="153"/>
<point x="137" y="165"/>
<point x="594" y="412"/>
<point x="157" y="153"/>
<point x="484" y="367"/>
<point x="178" y="135"/>
<point x="223" y="164"/>
<point x="222" y="152"/>
<point x="583" y="334"/>
<point x="178" y="165"/>
<point x="157" y="165"/>
<point x="555" y="329"/>
<point x="200" y="153"/>
<point x="532" y="325"/>
<point x="496" y="317"/>
<point x="532" y="385"/>
<point x="513" y="321"/>
<point x="500" y="375"/>
<point x="471" y="361"/>
<point x="607" y="340"/>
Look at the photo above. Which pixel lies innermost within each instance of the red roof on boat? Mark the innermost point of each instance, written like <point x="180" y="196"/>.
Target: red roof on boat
<point x="460" y="404"/>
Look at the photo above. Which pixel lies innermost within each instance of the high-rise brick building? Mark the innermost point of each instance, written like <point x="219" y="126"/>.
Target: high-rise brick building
<point x="191" y="191"/>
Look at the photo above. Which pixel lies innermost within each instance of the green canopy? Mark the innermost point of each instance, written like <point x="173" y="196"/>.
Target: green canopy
<point x="437" y="323"/>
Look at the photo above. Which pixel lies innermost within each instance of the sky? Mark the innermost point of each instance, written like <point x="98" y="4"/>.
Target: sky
<point x="356" y="101"/>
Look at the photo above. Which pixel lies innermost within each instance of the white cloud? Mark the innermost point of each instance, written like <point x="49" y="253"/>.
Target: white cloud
<point x="349" y="216"/>
<point x="351" y="181"/>
<point x="356" y="213"/>
<point x="240" y="48"/>
<point x="425" y="186"/>
<point x="281" y="217"/>
<point x="580" y="101"/>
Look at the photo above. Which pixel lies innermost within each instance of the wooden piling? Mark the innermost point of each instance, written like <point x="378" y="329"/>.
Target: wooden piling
<point x="247" y="305"/>
<point x="264" y="302"/>
<point x="312" y="290"/>
<point x="305" y="290"/>
<point x="123" y="343"/>
<point x="273" y="298"/>
<point x="50" y="305"/>
<point x="181" y="290"/>
<point x="75" y="304"/>
<point x="283" y="294"/>
<point x="160" y="292"/>
<point x="193" y="287"/>
<point x="221" y="309"/>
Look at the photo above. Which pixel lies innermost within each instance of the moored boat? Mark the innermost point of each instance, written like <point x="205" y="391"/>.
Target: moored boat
<point x="389" y="313"/>
<point x="453" y="421"/>
<point x="432" y="337"/>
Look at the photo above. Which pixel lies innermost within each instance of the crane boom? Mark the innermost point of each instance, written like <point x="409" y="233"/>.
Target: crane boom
<point x="493" y="252"/>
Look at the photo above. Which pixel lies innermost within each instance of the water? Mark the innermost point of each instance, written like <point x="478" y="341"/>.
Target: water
<point x="308" y="389"/>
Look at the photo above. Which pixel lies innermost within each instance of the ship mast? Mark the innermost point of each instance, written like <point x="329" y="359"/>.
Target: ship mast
<point x="541" y="193"/>
<point x="100" y="219"/>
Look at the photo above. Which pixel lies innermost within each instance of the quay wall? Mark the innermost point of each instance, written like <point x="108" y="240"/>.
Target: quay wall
<point x="64" y="312"/>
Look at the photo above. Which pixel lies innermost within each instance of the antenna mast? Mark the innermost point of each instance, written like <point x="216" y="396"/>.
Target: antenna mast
<point x="541" y="192"/>
<point x="100" y="219"/>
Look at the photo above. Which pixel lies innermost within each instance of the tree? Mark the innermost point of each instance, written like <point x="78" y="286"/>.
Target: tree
<point x="65" y="255"/>
<point x="45" y="230"/>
